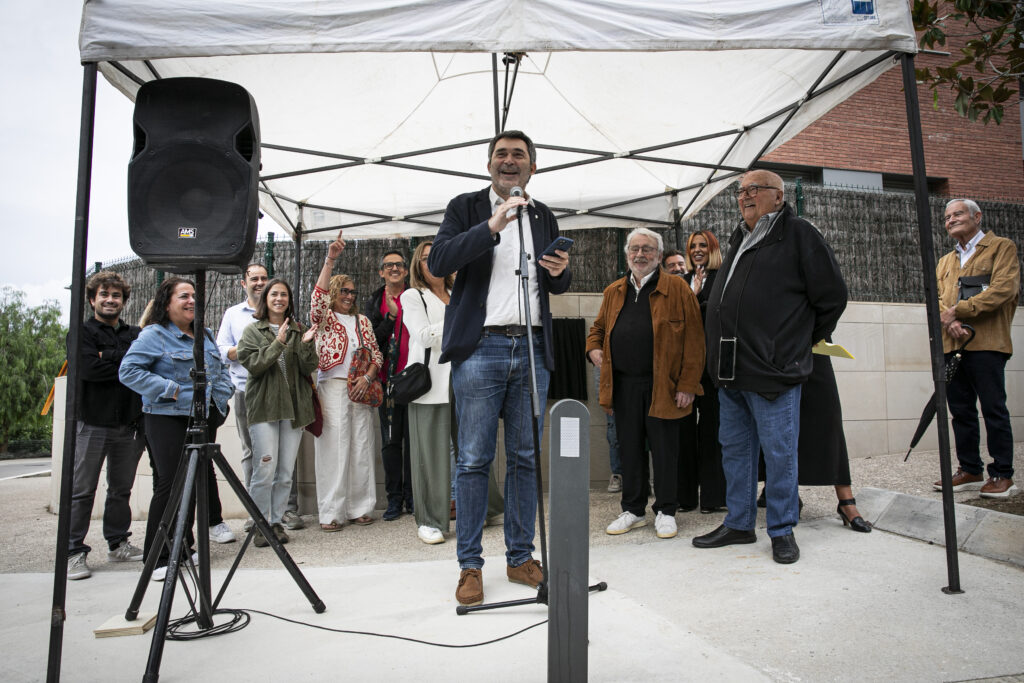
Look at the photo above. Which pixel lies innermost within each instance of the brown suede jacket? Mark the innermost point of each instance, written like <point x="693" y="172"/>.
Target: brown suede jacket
<point x="991" y="312"/>
<point x="678" y="343"/>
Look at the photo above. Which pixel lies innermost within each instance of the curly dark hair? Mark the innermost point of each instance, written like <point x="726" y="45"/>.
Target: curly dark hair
<point x="162" y="299"/>
<point x="106" y="279"/>
<point x="262" y="312"/>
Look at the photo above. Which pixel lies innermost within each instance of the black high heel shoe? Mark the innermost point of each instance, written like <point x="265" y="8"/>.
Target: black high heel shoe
<point x="858" y="523"/>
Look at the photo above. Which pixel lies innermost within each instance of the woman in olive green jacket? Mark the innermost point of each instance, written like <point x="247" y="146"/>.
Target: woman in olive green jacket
<point x="278" y="398"/>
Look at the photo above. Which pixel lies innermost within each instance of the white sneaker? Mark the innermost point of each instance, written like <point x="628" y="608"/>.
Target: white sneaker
<point x="248" y="525"/>
<point x="126" y="552"/>
<point x="430" y="535"/>
<point x="221" y="534"/>
<point x="160" y="573"/>
<point x="665" y="525"/>
<point x="77" y="568"/>
<point x="615" y="483"/>
<point x="625" y="522"/>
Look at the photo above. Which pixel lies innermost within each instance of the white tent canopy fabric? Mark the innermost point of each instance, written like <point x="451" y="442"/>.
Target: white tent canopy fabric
<point x="374" y="113"/>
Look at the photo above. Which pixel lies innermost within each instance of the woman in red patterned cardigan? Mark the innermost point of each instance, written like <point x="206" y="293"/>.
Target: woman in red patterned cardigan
<point x="345" y="450"/>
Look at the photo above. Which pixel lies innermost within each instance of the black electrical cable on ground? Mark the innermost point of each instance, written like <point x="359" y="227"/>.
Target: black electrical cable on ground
<point x="177" y="629"/>
<point x="241" y="617"/>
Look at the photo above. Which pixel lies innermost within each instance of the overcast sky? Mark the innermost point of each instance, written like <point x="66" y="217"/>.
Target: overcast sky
<point x="39" y="127"/>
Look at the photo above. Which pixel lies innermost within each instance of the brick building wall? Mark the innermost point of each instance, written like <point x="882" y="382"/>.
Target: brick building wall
<point x="868" y="132"/>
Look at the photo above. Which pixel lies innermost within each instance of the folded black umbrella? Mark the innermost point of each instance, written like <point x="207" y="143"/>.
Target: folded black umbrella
<point x="952" y="365"/>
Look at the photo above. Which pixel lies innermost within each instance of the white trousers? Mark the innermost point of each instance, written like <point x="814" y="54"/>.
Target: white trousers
<point x="345" y="452"/>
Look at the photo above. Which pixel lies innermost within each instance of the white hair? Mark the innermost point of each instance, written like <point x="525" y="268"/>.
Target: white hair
<point x="647" y="233"/>
<point x="972" y="206"/>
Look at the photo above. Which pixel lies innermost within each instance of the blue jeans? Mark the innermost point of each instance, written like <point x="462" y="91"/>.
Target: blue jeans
<point x="749" y="423"/>
<point x="610" y="434"/>
<point x="495" y="381"/>
<point x="275" y="447"/>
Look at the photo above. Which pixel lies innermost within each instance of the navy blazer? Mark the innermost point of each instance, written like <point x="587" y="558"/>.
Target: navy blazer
<point x="464" y="244"/>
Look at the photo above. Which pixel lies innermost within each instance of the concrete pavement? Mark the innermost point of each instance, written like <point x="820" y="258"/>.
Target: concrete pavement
<point x="865" y="607"/>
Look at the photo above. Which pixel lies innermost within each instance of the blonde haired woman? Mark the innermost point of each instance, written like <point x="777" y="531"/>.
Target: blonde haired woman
<point x="430" y="424"/>
<point x="345" y="485"/>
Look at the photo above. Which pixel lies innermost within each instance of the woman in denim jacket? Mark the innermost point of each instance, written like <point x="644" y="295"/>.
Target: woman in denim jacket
<point x="158" y="367"/>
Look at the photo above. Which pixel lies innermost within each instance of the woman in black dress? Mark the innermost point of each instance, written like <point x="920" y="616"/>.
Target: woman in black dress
<point x="822" y="458"/>
<point x="701" y="479"/>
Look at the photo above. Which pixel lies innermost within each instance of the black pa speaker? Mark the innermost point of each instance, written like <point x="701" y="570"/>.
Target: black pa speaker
<point x="192" y="179"/>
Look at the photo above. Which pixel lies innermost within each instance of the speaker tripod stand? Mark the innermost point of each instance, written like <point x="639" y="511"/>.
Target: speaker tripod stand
<point x="190" y="480"/>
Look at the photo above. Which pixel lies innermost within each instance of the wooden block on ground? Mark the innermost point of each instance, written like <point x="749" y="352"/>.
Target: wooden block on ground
<point x="119" y="626"/>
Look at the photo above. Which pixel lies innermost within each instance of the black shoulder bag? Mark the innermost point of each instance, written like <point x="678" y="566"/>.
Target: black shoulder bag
<point x="414" y="380"/>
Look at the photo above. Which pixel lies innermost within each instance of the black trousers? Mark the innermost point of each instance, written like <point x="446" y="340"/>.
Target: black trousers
<point x="701" y="478"/>
<point x="981" y="378"/>
<point x="394" y="452"/>
<point x="631" y="400"/>
<point x="165" y="437"/>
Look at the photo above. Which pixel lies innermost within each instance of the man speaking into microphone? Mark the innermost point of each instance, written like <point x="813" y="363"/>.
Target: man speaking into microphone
<point x="485" y="328"/>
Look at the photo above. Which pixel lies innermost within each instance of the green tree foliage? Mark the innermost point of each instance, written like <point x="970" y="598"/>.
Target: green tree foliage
<point x="32" y="350"/>
<point x="987" y="70"/>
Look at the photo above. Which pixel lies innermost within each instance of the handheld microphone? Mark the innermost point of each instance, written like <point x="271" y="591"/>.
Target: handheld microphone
<point x="517" y="192"/>
<point x="518" y="211"/>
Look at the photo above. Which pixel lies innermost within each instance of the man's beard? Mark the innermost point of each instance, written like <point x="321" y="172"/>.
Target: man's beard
<point x="107" y="318"/>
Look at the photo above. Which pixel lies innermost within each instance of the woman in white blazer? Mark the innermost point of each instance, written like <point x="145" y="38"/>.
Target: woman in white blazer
<point x="430" y="427"/>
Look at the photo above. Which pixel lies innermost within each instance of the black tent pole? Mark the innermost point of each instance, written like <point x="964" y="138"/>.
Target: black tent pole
<point x="296" y="306"/>
<point x="60" y="564"/>
<point x="494" y="77"/>
<point x="931" y="299"/>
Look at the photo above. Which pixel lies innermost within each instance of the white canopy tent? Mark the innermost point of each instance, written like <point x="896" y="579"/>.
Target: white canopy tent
<point x="374" y="113"/>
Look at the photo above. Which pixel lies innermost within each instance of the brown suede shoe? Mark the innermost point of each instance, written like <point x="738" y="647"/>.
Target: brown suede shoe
<point x="962" y="481"/>
<point x="998" y="487"/>
<point x="529" y="573"/>
<point x="471" y="587"/>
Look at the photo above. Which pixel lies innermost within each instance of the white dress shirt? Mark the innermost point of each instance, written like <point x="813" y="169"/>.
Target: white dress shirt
<point x="504" y="296"/>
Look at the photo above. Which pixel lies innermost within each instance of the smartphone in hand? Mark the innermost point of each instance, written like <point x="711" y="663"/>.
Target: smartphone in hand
<point x="560" y="243"/>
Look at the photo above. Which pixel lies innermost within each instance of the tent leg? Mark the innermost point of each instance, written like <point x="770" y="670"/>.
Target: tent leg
<point x="497" y="106"/>
<point x="298" y="263"/>
<point x="60" y="565"/>
<point x="931" y="297"/>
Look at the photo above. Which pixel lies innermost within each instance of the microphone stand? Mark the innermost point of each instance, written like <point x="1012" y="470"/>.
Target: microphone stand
<point x="542" y="588"/>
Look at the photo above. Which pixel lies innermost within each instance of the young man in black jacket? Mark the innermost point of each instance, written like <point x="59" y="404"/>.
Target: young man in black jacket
<point x="108" y="426"/>
<point x="778" y="292"/>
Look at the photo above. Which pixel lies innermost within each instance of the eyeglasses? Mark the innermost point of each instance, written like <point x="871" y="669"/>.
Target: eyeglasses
<point x="345" y="291"/>
<point x="751" y="190"/>
<point x="394" y="265"/>
<point x="647" y="250"/>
